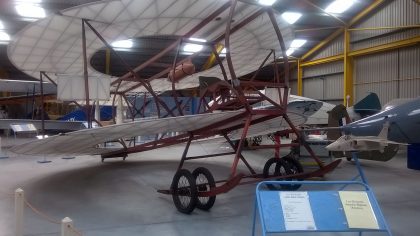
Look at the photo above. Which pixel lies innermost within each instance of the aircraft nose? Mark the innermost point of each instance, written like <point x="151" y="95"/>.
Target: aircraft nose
<point x="331" y="147"/>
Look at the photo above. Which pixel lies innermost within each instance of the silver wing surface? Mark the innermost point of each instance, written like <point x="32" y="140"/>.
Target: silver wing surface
<point x="86" y="141"/>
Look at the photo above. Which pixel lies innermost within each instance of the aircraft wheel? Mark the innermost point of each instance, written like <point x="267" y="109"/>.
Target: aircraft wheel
<point x="275" y="167"/>
<point x="184" y="191"/>
<point x="295" y="167"/>
<point x="257" y="140"/>
<point x="204" y="181"/>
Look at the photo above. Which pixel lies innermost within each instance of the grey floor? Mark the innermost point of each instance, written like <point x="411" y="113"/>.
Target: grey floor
<point x="119" y="197"/>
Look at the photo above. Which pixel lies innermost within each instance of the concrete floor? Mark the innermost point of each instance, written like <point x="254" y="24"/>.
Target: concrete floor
<point x="119" y="197"/>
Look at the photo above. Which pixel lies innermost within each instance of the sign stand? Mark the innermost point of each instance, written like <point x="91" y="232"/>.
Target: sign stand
<point x="329" y="209"/>
<point x="354" y="210"/>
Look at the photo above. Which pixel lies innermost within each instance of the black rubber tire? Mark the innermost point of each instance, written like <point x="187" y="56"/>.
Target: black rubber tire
<point x="280" y="169"/>
<point x="201" y="173"/>
<point x="184" y="197"/>
<point x="295" y="167"/>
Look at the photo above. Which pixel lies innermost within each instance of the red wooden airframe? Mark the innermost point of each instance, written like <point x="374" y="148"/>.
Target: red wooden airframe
<point x="198" y="189"/>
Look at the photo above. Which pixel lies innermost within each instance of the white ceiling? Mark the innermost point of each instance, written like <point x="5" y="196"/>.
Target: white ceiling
<point x="54" y="44"/>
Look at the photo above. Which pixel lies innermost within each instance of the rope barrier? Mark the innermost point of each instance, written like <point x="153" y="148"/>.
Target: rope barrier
<point x="43" y="215"/>
<point x="50" y="219"/>
<point x="75" y="231"/>
<point x="6" y="194"/>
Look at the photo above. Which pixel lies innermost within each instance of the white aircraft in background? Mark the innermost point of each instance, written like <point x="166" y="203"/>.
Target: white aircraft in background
<point x="349" y="143"/>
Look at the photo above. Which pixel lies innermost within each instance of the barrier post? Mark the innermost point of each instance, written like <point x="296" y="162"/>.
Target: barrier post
<point x="66" y="227"/>
<point x="19" y="208"/>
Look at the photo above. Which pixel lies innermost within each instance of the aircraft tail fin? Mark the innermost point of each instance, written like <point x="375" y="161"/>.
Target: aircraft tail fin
<point x="369" y="105"/>
<point x="338" y="116"/>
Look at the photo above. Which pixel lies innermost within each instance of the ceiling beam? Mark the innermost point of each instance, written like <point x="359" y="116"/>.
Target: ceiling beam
<point x="322" y="60"/>
<point x="385" y="47"/>
<point x="338" y="32"/>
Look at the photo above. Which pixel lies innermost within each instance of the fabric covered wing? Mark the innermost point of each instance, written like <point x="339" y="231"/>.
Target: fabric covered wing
<point x="77" y="142"/>
<point x="85" y="141"/>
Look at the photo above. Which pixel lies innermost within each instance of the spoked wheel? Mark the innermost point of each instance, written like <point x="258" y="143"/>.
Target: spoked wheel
<point x="257" y="140"/>
<point x="275" y="167"/>
<point x="184" y="191"/>
<point x="295" y="168"/>
<point x="204" y="181"/>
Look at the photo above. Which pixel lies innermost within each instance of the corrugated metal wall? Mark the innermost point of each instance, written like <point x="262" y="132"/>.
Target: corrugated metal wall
<point x="393" y="74"/>
<point x="323" y="69"/>
<point x="327" y="87"/>
<point x="293" y="87"/>
<point x="336" y="47"/>
<point x="323" y="82"/>
<point x="409" y="72"/>
<point x="313" y="88"/>
<point x="395" y="13"/>
<point x="376" y="73"/>
<point x="333" y="89"/>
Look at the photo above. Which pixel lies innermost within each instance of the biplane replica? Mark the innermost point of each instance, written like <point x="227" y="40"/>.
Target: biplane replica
<point x="253" y="36"/>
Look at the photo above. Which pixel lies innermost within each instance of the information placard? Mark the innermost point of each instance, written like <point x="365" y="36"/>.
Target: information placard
<point x="297" y="211"/>
<point x="358" y="210"/>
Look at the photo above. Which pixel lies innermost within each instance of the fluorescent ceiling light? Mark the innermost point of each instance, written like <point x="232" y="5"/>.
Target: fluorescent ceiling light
<point x="290" y="51"/>
<point x="28" y="1"/>
<point x="291" y="17"/>
<point x="297" y="43"/>
<point x="198" y="40"/>
<point x="29" y="10"/>
<point x="339" y="6"/>
<point x="1" y="25"/>
<point x="191" y="47"/>
<point x="123" y="44"/>
<point x="4" y="36"/>
<point x="266" y="2"/>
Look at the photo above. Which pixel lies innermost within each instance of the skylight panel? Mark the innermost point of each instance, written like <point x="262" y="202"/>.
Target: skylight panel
<point x="30" y="10"/>
<point x="266" y="2"/>
<point x="291" y="17"/>
<point x="290" y="51"/>
<point x="339" y="6"/>
<point x="28" y="1"/>
<point x="122" y="44"/>
<point x="297" y="43"/>
<point x="4" y="36"/>
<point x="191" y="47"/>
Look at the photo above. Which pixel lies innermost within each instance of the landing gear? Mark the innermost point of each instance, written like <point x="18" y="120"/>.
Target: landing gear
<point x="256" y="141"/>
<point x="184" y="191"/>
<point x="275" y="167"/>
<point x="286" y="165"/>
<point x="295" y="168"/>
<point x="204" y="181"/>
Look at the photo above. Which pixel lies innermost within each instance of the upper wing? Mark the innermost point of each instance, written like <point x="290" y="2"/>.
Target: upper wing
<point x="58" y="49"/>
